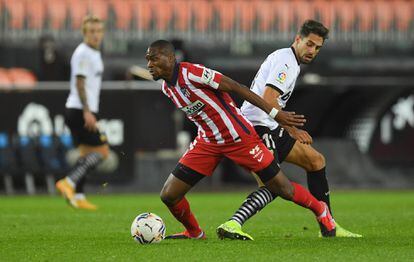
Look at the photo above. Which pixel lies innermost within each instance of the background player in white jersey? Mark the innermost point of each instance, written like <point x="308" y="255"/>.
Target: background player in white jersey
<point x="82" y="107"/>
<point x="275" y="82"/>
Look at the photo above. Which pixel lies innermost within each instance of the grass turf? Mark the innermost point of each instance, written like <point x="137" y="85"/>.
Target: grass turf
<point x="43" y="228"/>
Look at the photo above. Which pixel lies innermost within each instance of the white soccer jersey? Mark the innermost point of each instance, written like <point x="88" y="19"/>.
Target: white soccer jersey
<point x="280" y="71"/>
<point x="86" y="62"/>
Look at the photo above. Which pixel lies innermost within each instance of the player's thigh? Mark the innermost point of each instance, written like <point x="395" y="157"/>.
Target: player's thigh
<point x="284" y="143"/>
<point x="198" y="162"/>
<point x="201" y="157"/>
<point x="306" y="157"/>
<point x="251" y="154"/>
<point x="88" y="141"/>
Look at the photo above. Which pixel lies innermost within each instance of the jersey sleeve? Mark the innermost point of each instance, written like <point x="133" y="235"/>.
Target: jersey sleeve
<point x="80" y="65"/>
<point x="204" y="76"/>
<point x="279" y="77"/>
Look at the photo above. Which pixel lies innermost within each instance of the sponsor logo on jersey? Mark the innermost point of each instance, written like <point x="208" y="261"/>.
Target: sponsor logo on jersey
<point x="281" y="77"/>
<point x="207" y="76"/>
<point x="185" y="92"/>
<point x="193" y="108"/>
<point x="257" y="153"/>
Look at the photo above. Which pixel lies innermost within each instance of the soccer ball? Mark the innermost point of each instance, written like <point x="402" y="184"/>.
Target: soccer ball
<point x="148" y="228"/>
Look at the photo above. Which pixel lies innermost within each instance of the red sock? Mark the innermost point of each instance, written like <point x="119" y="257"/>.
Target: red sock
<point x="304" y="198"/>
<point x="182" y="213"/>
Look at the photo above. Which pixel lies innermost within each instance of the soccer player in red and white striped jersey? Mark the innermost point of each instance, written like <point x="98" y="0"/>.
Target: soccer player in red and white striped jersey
<point x="202" y="94"/>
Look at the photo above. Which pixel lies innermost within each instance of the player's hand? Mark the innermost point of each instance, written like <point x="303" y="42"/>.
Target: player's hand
<point x="290" y="118"/>
<point x="90" y="121"/>
<point x="300" y="135"/>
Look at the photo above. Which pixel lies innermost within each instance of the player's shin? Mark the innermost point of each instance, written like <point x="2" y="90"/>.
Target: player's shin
<point x="83" y="166"/>
<point x="304" y="198"/>
<point x="254" y="202"/>
<point x="318" y="186"/>
<point x="182" y="212"/>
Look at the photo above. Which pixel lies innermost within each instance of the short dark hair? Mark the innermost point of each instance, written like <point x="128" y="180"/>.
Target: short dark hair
<point x="315" y="27"/>
<point x="164" y="46"/>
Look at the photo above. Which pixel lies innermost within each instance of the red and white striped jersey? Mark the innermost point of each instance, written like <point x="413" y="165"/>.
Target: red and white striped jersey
<point x="194" y="90"/>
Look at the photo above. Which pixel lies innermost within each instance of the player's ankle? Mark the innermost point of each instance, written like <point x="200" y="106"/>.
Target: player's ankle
<point x="195" y="233"/>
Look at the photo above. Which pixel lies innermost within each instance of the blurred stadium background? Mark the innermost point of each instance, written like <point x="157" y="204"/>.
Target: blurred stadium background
<point x="358" y="95"/>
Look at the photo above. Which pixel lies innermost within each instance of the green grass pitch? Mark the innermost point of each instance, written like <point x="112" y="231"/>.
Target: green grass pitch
<point x="43" y="228"/>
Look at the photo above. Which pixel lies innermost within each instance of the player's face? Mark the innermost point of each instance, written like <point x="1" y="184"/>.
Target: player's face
<point x="308" y="47"/>
<point x="159" y="64"/>
<point x="93" y="34"/>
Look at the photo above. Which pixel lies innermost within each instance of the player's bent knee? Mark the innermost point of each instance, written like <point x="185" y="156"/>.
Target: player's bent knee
<point x="268" y="172"/>
<point x="317" y="162"/>
<point x="167" y="197"/>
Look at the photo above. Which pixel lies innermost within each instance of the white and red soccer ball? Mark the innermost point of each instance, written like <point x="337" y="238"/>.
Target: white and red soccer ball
<point x="148" y="228"/>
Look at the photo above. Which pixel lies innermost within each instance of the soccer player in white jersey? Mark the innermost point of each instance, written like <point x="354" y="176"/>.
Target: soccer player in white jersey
<point x="82" y="107"/>
<point x="202" y="93"/>
<point x="275" y="82"/>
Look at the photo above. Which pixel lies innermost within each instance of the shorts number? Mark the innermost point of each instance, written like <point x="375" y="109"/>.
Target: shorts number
<point x="268" y="139"/>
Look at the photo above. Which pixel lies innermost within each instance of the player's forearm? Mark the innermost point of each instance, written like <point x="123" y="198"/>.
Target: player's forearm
<point x="80" y="85"/>
<point x="253" y="98"/>
<point x="271" y="96"/>
<point x="229" y="85"/>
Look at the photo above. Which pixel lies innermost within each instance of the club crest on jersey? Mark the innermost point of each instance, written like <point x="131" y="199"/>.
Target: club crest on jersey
<point x="193" y="108"/>
<point x="281" y="77"/>
<point x="207" y="76"/>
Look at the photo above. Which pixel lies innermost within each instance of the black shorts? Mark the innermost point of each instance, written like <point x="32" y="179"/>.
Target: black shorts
<point x="278" y="141"/>
<point x="74" y="120"/>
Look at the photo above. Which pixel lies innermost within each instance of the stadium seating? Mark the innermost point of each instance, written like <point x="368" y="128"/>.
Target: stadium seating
<point x="182" y="12"/>
<point x="16" y="77"/>
<point x="212" y="17"/>
<point x="36" y="14"/>
<point x="52" y="161"/>
<point x="143" y="14"/>
<point x="226" y="12"/>
<point x="15" y="13"/>
<point x="5" y="81"/>
<point x="203" y="13"/>
<point x="78" y="10"/>
<point x="57" y="13"/>
<point x="42" y="158"/>
<point x="8" y="165"/>
<point x="22" y="78"/>
<point x="123" y="13"/>
<point x="27" y="160"/>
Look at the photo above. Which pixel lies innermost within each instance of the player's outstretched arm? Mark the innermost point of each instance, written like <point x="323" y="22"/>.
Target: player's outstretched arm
<point x="283" y="117"/>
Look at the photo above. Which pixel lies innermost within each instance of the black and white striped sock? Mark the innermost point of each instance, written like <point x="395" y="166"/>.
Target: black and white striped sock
<point x="83" y="166"/>
<point x="254" y="202"/>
